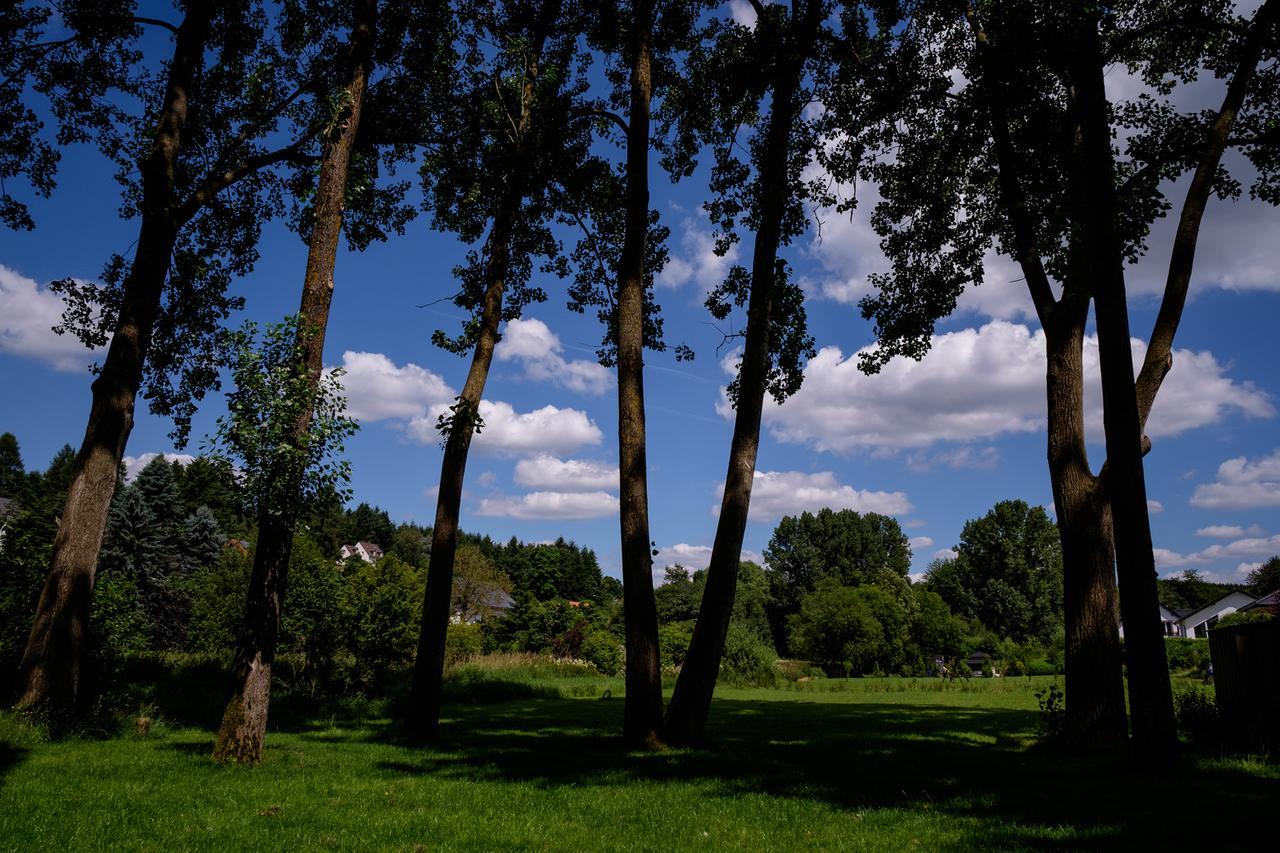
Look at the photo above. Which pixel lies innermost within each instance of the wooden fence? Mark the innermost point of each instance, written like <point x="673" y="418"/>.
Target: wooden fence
<point x="1246" y="678"/>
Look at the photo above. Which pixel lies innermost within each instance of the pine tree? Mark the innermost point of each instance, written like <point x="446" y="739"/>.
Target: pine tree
<point x="12" y="472"/>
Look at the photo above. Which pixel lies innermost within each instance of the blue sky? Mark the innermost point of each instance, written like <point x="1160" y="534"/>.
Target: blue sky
<point x="933" y="443"/>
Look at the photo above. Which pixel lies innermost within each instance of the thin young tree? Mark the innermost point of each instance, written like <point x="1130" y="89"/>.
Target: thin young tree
<point x="1000" y="156"/>
<point x="510" y="138"/>
<point x="641" y="40"/>
<point x="201" y="178"/>
<point x="244" y="723"/>
<point x="786" y="59"/>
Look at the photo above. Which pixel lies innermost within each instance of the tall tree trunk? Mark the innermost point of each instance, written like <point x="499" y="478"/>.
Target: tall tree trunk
<point x="1094" y="215"/>
<point x="49" y="675"/>
<point x="1094" y="680"/>
<point x="422" y="717"/>
<point x="642" y="717"/>
<point x="244" y="723"/>
<point x="691" y="702"/>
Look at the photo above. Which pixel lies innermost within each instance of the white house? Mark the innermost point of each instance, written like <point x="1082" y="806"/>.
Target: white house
<point x="8" y="509"/>
<point x="366" y="551"/>
<point x="1196" y="623"/>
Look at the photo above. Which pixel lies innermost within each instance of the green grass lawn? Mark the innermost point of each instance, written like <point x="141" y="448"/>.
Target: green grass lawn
<point x="877" y="764"/>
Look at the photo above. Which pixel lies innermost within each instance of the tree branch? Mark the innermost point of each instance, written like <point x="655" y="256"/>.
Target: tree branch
<point x="600" y="112"/>
<point x="155" y="22"/>
<point x="1159" y="357"/>
<point x="216" y="182"/>
<point x="1025" y="247"/>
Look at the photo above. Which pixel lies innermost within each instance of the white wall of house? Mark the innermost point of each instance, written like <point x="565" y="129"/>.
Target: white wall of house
<point x="1197" y="624"/>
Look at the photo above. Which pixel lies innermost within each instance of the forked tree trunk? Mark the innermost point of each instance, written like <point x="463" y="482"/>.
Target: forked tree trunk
<point x="422" y="717"/>
<point x="50" y="672"/>
<point x="642" y="716"/>
<point x="1094" y="680"/>
<point x="691" y="702"/>
<point x="1094" y="213"/>
<point x="244" y="723"/>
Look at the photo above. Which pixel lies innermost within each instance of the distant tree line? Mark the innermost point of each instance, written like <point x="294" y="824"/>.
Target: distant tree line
<point x="176" y="563"/>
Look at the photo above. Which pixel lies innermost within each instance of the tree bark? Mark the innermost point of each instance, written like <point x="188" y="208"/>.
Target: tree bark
<point x="422" y="717"/>
<point x="244" y="723"/>
<point x="49" y="676"/>
<point x="421" y="721"/>
<point x="1094" y="680"/>
<point x="691" y="702"/>
<point x="1102" y="262"/>
<point x="642" y="714"/>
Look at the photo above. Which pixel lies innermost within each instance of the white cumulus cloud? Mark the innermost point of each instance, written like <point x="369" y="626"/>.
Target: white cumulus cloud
<point x="379" y="389"/>
<point x="1242" y="484"/>
<point x="778" y="493"/>
<point x="1239" y="549"/>
<point x="697" y="261"/>
<point x="692" y="557"/>
<point x="28" y="314"/>
<point x="566" y="475"/>
<point x="133" y="465"/>
<point x="546" y="430"/>
<point x="1229" y="531"/>
<point x="550" y="505"/>
<point x="532" y="343"/>
<point x="976" y="384"/>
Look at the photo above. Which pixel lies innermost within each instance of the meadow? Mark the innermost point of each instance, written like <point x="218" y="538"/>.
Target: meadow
<point x="531" y="760"/>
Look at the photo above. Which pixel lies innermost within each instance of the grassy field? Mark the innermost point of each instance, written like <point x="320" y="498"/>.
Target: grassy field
<point x="878" y="764"/>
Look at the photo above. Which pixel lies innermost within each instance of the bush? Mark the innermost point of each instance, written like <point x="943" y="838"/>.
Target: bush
<point x="1188" y="656"/>
<point x="748" y="661"/>
<point x="1053" y="714"/>
<point x="463" y="642"/>
<point x="1249" y="617"/>
<point x="602" y="650"/>
<point x="674" y="640"/>
<point x="1197" y="714"/>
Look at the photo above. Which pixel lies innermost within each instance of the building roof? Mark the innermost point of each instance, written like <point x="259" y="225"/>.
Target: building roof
<point x="1271" y="599"/>
<point x="1213" y="608"/>
<point x="498" y="600"/>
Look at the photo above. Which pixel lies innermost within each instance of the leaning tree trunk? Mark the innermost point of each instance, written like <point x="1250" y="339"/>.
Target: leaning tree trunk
<point x="244" y="723"/>
<point x="1094" y="203"/>
<point x="49" y="675"/>
<point x="422" y="717"/>
<point x="1094" y="678"/>
<point x="642" y="716"/>
<point x="691" y="702"/>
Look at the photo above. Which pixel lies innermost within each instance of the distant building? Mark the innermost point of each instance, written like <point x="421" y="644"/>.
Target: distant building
<point x="8" y="509"/>
<point x="366" y="551"/>
<point x="492" y="603"/>
<point x="1271" y="600"/>
<point x="978" y="663"/>
<point x="1195" y="624"/>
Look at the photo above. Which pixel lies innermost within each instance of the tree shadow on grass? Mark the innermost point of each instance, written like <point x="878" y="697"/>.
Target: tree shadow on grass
<point x="11" y="755"/>
<point x="965" y="762"/>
